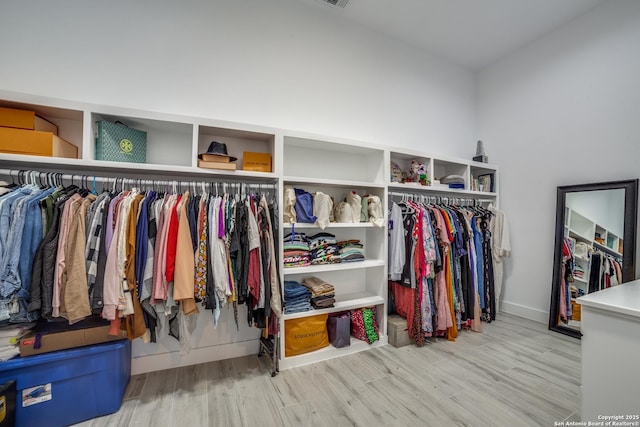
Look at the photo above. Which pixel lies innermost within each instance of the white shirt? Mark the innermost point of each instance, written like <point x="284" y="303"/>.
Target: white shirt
<point x="322" y="208"/>
<point x="396" y="243"/>
<point x="500" y="248"/>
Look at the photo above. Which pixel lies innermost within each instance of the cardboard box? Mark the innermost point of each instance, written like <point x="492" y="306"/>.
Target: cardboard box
<point x="216" y="165"/>
<point x="52" y="338"/>
<point x="398" y="331"/>
<point x="36" y="143"/>
<point x="256" y="162"/>
<point x="25" y="119"/>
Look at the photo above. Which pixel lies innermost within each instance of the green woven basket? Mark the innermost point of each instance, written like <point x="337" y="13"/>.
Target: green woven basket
<point x="116" y="142"/>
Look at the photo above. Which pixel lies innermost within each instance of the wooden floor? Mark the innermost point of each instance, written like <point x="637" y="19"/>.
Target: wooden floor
<point x="515" y="373"/>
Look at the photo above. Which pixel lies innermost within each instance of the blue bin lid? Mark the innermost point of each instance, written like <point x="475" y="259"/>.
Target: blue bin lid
<point x="54" y="356"/>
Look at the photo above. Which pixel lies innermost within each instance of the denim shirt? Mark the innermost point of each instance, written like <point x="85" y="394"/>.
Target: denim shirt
<point x="6" y="203"/>
<point x="10" y="283"/>
<point x="31" y="238"/>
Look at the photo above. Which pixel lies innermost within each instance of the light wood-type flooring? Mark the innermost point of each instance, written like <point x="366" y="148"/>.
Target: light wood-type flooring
<point x="515" y="373"/>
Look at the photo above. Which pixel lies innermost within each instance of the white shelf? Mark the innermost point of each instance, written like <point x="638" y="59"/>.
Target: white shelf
<point x="331" y="352"/>
<point x="248" y="174"/>
<point x="185" y="170"/>
<point x="479" y="193"/>
<point x="23" y="159"/>
<point x="368" y="263"/>
<point x="331" y="225"/>
<point x="577" y="279"/>
<point x="343" y="303"/>
<point x="606" y="249"/>
<point x="440" y="190"/>
<point x="580" y="236"/>
<point x="95" y="167"/>
<point x="290" y="180"/>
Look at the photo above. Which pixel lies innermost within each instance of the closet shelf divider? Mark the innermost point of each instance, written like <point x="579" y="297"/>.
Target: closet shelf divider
<point x="368" y="263"/>
<point x="330" y="352"/>
<point x="331" y="225"/>
<point x="343" y="303"/>
<point x="437" y="190"/>
<point x="294" y="180"/>
<point x="606" y="249"/>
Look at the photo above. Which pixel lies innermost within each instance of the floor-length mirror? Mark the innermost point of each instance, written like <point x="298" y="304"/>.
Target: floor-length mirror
<point x="594" y="246"/>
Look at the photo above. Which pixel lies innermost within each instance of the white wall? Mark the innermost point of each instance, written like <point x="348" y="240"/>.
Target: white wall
<point x="604" y="207"/>
<point x="562" y="111"/>
<point x="278" y="63"/>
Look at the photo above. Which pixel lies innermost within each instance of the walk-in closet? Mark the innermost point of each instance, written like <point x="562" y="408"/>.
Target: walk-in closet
<point x="315" y="212"/>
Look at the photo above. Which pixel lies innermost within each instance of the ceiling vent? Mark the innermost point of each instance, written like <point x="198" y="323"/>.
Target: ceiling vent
<point x="340" y="3"/>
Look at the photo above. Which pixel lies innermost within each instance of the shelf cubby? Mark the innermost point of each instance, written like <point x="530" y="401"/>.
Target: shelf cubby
<point x="312" y="158"/>
<point x="237" y="142"/>
<point x="168" y="142"/>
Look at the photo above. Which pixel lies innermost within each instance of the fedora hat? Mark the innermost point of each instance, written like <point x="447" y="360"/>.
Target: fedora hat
<point x="218" y="149"/>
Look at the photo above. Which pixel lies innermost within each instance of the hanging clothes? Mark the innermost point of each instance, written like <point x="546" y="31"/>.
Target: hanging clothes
<point x="501" y="247"/>
<point x="140" y="259"/>
<point x="441" y="253"/>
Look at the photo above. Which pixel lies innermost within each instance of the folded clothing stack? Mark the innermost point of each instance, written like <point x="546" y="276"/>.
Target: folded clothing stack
<point x="297" y="298"/>
<point x="296" y="250"/>
<point x="351" y="251"/>
<point x="578" y="272"/>
<point x="10" y="338"/>
<point x="322" y="293"/>
<point x="323" y="249"/>
<point x="454" y="181"/>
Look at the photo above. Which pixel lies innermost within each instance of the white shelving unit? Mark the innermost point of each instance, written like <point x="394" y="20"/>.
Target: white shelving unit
<point x="438" y="167"/>
<point x="583" y="229"/>
<point x="173" y="143"/>
<point x="334" y="166"/>
<point x="586" y="230"/>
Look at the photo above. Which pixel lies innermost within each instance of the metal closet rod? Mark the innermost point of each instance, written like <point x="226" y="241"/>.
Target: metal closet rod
<point x="32" y="176"/>
<point x="439" y="198"/>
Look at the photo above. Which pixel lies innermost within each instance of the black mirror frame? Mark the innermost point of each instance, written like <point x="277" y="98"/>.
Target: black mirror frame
<point x="629" y="245"/>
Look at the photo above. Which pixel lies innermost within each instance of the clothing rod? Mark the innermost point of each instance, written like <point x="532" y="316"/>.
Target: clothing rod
<point x="90" y="179"/>
<point x="447" y="197"/>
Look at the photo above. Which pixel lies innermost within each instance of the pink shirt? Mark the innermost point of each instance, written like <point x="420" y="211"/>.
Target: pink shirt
<point x="60" y="267"/>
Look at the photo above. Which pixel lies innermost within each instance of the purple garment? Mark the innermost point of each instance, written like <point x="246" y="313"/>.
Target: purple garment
<point x="221" y="219"/>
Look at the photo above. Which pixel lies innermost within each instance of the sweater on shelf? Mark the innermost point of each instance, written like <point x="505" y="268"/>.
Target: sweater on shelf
<point x="295" y="250"/>
<point x="322" y="293"/>
<point x="351" y="251"/>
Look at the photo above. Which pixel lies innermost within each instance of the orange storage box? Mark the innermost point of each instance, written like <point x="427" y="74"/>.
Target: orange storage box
<point x="575" y="307"/>
<point x="36" y="143"/>
<point x="256" y="162"/>
<point x="25" y="119"/>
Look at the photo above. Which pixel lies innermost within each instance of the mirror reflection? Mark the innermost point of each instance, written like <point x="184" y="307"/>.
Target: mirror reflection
<point x="593" y="247"/>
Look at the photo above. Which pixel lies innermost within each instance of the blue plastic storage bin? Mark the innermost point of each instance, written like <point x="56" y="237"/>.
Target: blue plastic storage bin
<point x="69" y="386"/>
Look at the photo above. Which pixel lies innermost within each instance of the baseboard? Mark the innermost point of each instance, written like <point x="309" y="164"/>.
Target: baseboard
<point x="524" y="311"/>
<point x="159" y="362"/>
